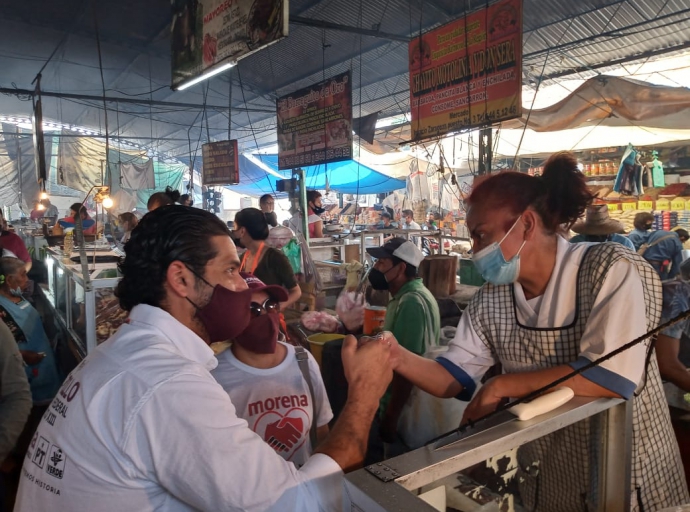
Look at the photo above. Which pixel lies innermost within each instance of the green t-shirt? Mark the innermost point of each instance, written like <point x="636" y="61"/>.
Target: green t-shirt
<point x="407" y="317"/>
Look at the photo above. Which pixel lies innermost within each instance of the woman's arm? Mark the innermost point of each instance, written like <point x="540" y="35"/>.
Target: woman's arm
<point x="318" y="229"/>
<point x="294" y="294"/>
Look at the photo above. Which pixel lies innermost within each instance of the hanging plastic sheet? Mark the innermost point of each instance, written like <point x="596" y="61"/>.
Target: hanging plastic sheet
<point x="135" y="176"/>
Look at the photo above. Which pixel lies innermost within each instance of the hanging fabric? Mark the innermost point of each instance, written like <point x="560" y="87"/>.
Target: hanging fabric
<point x="137" y="176"/>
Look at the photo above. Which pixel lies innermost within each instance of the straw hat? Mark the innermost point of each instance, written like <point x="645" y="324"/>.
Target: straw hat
<point x="597" y="222"/>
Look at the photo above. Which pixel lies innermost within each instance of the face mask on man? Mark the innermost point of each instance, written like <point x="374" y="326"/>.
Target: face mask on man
<point x="17" y="292"/>
<point x="492" y="265"/>
<point x="378" y="280"/>
<point x="227" y="313"/>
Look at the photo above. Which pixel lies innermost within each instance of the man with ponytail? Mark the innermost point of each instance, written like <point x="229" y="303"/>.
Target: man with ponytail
<point x="550" y="307"/>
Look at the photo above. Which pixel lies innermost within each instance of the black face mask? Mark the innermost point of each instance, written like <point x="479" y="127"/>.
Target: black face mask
<point x="237" y="241"/>
<point x="318" y="210"/>
<point x="377" y="279"/>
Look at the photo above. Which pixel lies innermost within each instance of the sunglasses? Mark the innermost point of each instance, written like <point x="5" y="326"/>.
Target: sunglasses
<point x="269" y="306"/>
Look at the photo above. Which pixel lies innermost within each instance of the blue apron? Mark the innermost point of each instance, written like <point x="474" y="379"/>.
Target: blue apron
<point x="43" y="377"/>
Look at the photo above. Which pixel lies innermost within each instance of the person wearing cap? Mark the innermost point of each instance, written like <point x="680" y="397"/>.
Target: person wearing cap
<point x="676" y="301"/>
<point x="268" y="385"/>
<point x="599" y="227"/>
<point x="386" y="221"/>
<point x="412" y="316"/>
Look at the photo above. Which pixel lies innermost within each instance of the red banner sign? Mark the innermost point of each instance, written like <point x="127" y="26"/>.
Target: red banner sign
<point x="468" y="72"/>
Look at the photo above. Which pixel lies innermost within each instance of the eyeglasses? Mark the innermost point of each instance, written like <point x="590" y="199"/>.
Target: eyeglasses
<point x="269" y="306"/>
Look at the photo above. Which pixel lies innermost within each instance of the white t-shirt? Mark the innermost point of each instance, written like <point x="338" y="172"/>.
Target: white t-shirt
<point x="141" y="425"/>
<point x="411" y="225"/>
<point x="276" y="402"/>
<point x="613" y="321"/>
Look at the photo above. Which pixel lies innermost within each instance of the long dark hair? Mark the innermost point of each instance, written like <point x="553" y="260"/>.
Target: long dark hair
<point x="560" y="196"/>
<point x="254" y="221"/>
<point x="167" y="234"/>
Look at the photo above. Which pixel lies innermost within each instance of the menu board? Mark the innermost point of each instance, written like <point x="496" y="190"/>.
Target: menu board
<point x="221" y="163"/>
<point x="207" y="34"/>
<point x="315" y="124"/>
<point x="468" y="72"/>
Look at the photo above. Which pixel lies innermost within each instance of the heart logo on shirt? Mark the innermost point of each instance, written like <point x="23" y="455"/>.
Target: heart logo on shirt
<point x="285" y="433"/>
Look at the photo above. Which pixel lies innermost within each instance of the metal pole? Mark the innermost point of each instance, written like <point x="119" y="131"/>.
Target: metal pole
<point x="303" y="206"/>
<point x="616" y="459"/>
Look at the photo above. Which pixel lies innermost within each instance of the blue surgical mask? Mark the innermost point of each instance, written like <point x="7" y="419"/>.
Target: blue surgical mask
<point x="492" y="265"/>
<point x="17" y="292"/>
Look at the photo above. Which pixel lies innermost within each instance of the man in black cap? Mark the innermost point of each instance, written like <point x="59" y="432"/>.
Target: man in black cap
<point x="412" y="316"/>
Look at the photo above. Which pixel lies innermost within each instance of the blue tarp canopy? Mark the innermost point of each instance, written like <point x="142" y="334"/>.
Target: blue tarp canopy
<point x="259" y="173"/>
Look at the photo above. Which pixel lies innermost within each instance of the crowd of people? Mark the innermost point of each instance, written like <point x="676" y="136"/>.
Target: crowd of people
<point x="166" y="415"/>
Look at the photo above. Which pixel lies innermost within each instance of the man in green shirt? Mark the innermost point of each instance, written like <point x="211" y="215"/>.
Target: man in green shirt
<point x="412" y="316"/>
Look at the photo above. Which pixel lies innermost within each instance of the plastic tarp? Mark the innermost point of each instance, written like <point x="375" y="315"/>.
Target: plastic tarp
<point x="16" y="151"/>
<point x="259" y="173"/>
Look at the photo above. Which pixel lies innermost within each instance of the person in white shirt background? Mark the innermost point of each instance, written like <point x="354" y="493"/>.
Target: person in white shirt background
<point x="265" y="381"/>
<point x="408" y="218"/>
<point x="141" y="424"/>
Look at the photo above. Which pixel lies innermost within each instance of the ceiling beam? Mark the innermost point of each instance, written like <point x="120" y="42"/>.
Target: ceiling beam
<point x="328" y="25"/>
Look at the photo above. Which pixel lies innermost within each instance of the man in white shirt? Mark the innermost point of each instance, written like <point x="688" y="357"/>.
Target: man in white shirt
<point x="409" y="223"/>
<point x="141" y="425"/>
<point x="267" y="384"/>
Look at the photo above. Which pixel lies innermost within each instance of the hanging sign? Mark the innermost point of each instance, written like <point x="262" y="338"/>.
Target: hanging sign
<point x="315" y="124"/>
<point x="209" y="34"/>
<point x="221" y="163"/>
<point x="468" y="72"/>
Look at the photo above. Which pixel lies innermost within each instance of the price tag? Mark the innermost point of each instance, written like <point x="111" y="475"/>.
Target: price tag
<point x="614" y="206"/>
<point x="629" y="206"/>
<point x="678" y="204"/>
<point x="663" y="204"/>
<point x="645" y="205"/>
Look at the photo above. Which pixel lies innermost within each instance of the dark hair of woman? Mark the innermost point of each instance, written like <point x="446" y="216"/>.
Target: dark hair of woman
<point x="559" y="196"/>
<point x="254" y="221"/>
<point x="312" y="195"/>
<point x="265" y="198"/>
<point x="131" y="219"/>
<point x="159" y="199"/>
<point x="167" y="234"/>
<point x="79" y="208"/>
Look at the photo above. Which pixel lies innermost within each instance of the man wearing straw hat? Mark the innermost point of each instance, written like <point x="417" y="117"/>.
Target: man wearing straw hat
<point x="599" y="227"/>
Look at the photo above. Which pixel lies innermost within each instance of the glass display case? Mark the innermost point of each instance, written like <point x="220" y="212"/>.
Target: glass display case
<point x="89" y="312"/>
<point x="492" y="467"/>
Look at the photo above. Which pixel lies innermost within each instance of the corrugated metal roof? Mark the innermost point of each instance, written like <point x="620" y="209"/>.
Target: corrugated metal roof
<point x="581" y="34"/>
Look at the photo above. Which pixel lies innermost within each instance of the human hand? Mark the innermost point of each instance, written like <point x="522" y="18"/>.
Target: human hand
<point x="485" y="401"/>
<point x="32" y="358"/>
<point x="367" y="368"/>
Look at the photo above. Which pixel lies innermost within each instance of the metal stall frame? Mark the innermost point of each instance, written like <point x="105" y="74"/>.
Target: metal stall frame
<point x="390" y="486"/>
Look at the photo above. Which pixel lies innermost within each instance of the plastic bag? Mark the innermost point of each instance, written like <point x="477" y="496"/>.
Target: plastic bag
<point x="294" y="255"/>
<point x="350" y="309"/>
<point x="319" y="321"/>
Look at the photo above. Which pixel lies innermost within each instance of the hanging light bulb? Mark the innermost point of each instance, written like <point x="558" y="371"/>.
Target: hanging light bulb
<point x="44" y="195"/>
<point x="107" y="202"/>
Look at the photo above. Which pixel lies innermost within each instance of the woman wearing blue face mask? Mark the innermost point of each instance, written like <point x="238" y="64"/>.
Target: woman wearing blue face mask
<point x="550" y="307"/>
<point x="27" y="328"/>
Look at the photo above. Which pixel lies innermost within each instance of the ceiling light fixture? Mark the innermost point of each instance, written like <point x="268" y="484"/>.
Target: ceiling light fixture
<point x="203" y="77"/>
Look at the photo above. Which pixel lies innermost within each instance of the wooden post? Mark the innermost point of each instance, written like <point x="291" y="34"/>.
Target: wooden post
<point x="439" y="274"/>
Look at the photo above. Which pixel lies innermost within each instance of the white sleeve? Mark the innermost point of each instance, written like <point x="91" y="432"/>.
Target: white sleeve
<point x="618" y="316"/>
<point x="188" y="438"/>
<point x="467" y="358"/>
<point x="323" y="413"/>
<point x="468" y="351"/>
